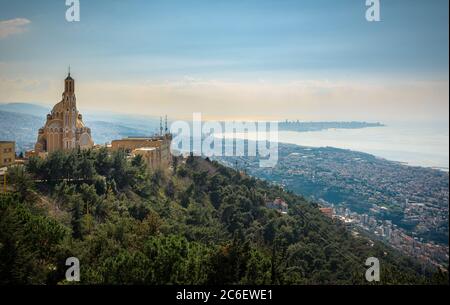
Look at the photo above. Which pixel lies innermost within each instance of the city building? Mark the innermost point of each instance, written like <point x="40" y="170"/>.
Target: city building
<point x="279" y="205"/>
<point x="327" y="212"/>
<point x="7" y="153"/>
<point x="64" y="128"/>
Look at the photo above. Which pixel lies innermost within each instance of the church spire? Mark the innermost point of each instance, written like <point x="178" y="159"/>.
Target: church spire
<point x="69" y="84"/>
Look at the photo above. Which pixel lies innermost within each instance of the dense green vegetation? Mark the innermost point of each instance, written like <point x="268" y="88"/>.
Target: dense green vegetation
<point x="195" y="223"/>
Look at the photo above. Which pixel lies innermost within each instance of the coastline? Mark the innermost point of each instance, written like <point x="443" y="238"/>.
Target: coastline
<point x="415" y="146"/>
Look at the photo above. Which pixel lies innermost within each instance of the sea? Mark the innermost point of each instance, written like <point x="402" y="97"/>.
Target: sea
<point x="414" y="144"/>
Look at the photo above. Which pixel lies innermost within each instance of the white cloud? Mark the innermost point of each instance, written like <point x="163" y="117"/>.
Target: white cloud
<point x="13" y="26"/>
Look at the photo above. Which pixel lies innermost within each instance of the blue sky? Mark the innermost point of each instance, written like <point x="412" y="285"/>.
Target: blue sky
<point x="223" y="46"/>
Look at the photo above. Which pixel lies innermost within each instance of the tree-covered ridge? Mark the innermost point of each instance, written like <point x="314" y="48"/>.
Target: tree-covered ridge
<point x="195" y="223"/>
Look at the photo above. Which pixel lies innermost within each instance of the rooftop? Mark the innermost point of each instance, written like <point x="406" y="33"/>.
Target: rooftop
<point x="146" y="148"/>
<point x="140" y="139"/>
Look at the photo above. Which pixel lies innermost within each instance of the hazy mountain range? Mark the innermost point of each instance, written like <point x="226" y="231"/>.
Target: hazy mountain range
<point x="21" y="121"/>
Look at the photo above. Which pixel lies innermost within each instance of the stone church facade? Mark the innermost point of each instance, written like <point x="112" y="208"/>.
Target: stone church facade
<point x="64" y="128"/>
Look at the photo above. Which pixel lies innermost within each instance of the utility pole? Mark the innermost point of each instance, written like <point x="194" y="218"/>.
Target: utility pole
<point x="166" y="130"/>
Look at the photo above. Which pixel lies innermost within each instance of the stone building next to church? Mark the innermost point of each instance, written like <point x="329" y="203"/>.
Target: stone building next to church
<point x="154" y="150"/>
<point x="64" y="128"/>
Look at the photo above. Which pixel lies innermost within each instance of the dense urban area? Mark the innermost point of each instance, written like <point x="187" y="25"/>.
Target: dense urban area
<point x="405" y="206"/>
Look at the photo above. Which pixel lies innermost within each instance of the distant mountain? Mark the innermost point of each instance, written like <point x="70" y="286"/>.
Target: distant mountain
<point x="23" y="127"/>
<point x="140" y="122"/>
<point x="318" y="126"/>
<point x="105" y="132"/>
<point x="26" y="108"/>
<point x="21" y="122"/>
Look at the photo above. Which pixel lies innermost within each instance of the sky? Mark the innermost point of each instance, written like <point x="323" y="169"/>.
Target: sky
<point x="236" y="59"/>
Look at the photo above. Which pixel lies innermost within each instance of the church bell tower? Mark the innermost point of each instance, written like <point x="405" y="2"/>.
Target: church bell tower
<point x="69" y="85"/>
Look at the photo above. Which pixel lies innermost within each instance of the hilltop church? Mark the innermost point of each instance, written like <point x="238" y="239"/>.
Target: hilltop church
<point x="64" y="128"/>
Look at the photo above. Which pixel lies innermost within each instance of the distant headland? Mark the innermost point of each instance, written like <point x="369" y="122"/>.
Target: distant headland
<point x="318" y="126"/>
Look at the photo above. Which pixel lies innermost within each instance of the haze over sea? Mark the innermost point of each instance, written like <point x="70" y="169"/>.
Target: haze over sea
<point x="415" y="144"/>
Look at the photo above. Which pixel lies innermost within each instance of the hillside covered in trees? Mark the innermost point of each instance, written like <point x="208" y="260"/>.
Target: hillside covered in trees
<point x="197" y="222"/>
